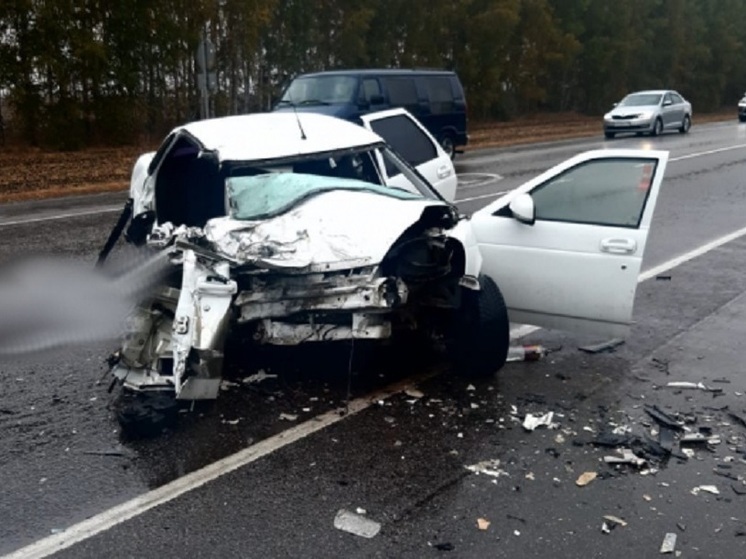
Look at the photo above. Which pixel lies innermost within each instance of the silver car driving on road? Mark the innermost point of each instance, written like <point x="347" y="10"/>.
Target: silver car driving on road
<point x="742" y="109"/>
<point x="649" y="112"/>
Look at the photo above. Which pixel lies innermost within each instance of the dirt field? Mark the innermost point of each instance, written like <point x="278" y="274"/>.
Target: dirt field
<point x="34" y="174"/>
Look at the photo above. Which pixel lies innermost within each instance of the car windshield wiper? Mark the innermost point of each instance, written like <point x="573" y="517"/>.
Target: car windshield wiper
<point x="313" y="102"/>
<point x="284" y="102"/>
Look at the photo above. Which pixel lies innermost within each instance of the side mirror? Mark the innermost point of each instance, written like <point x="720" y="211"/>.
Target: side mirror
<point x="523" y="209"/>
<point x="615" y="104"/>
<point x="667" y="103"/>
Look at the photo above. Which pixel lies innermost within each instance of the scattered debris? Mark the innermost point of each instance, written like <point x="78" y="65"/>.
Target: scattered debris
<point x="697" y="438"/>
<point x="231" y="421"/>
<point x="669" y="543"/>
<point x="663" y="278"/>
<point x="707" y="488"/>
<point x="615" y="520"/>
<point x="609" y="345"/>
<point x="681" y="526"/>
<point x="648" y="498"/>
<point x="288" y="417"/>
<point x="483" y="523"/>
<point x="445" y="546"/>
<point x="605" y="528"/>
<point x="488" y="467"/>
<point x="737" y="418"/>
<point x="356" y="524"/>
<point x="585" y="478"/>
<point x="531" y="421"/>
<point x="526" y="353"/>
<point x="123" y="452"/>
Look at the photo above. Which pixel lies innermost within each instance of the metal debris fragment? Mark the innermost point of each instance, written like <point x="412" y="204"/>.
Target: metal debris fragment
<point x="693" y="386"/>
<point x="662" y="418"/>
<point x="627" y="457"/>
<point x="585" y="478"/>
<point x="609" y="345"/>
<point x="259" y="376"/>
<point x="531" y="421"/>
<point x="669" y="543"/>
<point x="356" y="524"/>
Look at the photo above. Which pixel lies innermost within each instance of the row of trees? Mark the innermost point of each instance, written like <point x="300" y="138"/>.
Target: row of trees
<point x="76" y="72"/>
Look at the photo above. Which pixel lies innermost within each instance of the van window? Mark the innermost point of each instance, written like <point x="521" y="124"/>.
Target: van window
<point x="439" y="93"/>
<point x="321" y="90"/>
<point x="371" y="87"/>
<point x="406" y="138"/>
<point x="402" y="93"/>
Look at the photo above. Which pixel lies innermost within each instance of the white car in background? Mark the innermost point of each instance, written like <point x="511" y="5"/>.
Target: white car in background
<point x="287" y="229"/>
<point x="742" y="109"/>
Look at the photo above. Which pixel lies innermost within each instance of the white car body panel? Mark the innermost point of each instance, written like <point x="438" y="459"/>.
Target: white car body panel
<point x="570" y="276"/>
<point x="439" y="171"/>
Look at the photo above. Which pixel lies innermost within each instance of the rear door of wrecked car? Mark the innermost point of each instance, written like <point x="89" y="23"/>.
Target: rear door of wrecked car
<point x="574" y="263"/>
<point x="404" y="133"/>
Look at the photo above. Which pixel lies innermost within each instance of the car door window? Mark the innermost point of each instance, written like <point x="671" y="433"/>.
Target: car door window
<point x="667" y="98"/>
<point x="371" y="89"/>
<point x="402" y="93"/>
<point x="439" y="93"/>
<point x="676" y="99"/>
<point x="610" y="192"/>
<point x="406" y="138"/>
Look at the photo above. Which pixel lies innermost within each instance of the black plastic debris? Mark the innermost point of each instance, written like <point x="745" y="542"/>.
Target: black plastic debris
<point x="663" y="278"/>
<point x="609" y="345"/>
<point x="445" y="546"/>
<point x="662" y="418"/>
<point x="737" y="418"/>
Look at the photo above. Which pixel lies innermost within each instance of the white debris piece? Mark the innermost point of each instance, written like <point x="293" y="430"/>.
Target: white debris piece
<point x="692" y="385"/>
<point x="531" y="421"/>
<point x="707" y="489"/>
<point x="615" y="520"/>
<point x="356" y="524"/>
<point x="669" y="543"/>
<point x="585" y="478"/>
<point x="488" y="467"/>
<point x="414" y="393"/>
<point x="288" y="417"/>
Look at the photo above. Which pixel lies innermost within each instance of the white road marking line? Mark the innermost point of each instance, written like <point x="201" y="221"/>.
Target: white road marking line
<point x="702" y="153"/>
<point x="107" y="209"/>
<point x="142" y="503"/>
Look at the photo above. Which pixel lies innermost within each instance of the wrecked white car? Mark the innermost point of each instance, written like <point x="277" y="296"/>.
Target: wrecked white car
<point x="288" y="229"/>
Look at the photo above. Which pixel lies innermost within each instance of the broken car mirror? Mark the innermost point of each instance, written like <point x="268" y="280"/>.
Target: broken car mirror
<point x="523" y="209"/>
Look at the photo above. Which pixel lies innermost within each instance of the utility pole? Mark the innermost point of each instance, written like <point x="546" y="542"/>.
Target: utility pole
<point x="206" y="77"/>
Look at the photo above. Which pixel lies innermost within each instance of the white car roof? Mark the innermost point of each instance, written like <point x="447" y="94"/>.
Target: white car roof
<point x="272" y="135"/>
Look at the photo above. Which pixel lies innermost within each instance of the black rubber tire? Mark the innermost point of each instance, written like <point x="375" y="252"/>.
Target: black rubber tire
<point x="609" y="135"/>
<point x="446" y="142"/>
<point x="686" y="124"/>
<point x="657" y="128"/>
<point x="742" y="119"/>
<point x="148" y="414"/>
<point x="481" y="337"/>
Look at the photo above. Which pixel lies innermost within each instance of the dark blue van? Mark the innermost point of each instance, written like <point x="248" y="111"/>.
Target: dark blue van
<point x="435" y="97"/>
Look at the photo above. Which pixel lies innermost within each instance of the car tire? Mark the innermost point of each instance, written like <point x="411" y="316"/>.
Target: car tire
<point x="609" y="135"/>
<point x="686" y="124"/>
<point x="742" y="118"/>
<point x="481" y="332"/>
<point x="448" y="145"/>
<point x="657" y="127"/>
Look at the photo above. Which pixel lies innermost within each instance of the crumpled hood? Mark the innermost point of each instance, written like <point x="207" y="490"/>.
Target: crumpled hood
<point x="330" y="231"/>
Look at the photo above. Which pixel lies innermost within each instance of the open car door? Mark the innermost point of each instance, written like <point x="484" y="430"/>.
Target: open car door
<point x="406" y="135"/>
<point x="566" y="248"/>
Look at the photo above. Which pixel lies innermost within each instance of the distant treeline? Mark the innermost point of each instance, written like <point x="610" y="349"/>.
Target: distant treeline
<point x="81" y="72"/>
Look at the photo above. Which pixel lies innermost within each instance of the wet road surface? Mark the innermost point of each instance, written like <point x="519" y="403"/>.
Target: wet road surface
<point x="403" y="459"/>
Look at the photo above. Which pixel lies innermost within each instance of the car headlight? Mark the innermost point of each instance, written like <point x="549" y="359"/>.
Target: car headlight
<point x="645" y="116"/>
<point x="607" y="116"/>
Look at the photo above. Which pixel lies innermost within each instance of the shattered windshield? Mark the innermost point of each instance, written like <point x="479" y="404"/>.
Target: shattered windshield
<point x="320" y="90"/>
<point x="262" y="196"/>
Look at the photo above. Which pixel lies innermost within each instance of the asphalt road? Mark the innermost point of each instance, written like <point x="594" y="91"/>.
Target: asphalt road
<point x="402" y="457"/>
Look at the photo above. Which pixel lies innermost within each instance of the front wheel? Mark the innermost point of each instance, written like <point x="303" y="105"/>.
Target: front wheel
<point x="481" y="334"/>
<point x="609" y="135"/>
<point x="686" y="124"/>
<point x="657" y="127"/>
<point x="742" y="118"/>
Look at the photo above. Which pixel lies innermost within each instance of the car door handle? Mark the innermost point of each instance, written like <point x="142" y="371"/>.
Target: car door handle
<point x="619" y="246"/>
<point x="443" y="171"/>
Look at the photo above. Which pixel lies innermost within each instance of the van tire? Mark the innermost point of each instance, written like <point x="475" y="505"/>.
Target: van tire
<point x="448" y="145"/>
<point x="481" y="332"/>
